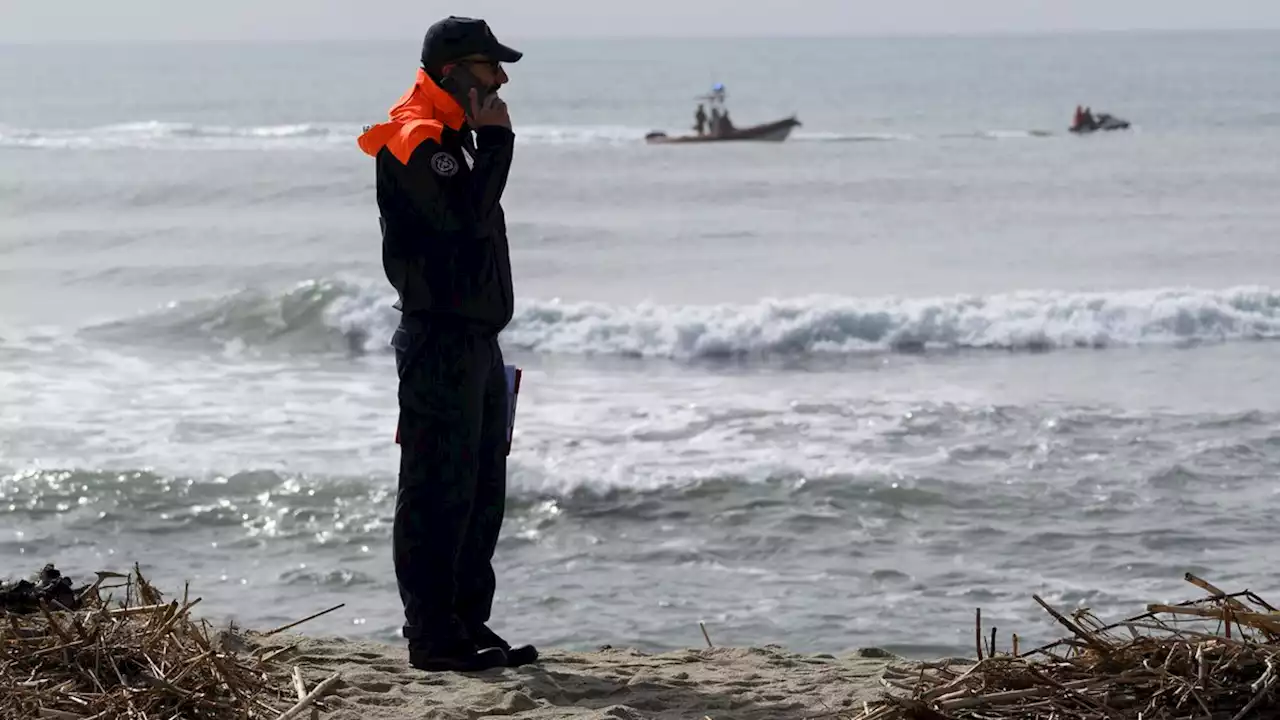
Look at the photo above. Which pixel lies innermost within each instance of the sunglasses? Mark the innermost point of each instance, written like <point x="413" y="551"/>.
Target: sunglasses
<point x="494" y="65"/>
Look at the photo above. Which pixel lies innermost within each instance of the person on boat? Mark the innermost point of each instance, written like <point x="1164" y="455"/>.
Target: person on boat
<point x="726" y="125"/>
<point x="700" y="120"/>
<point x="445" y="251"/>
<point x="1078" y="120"/>
<point x="714" y="127"/>
<point x="1089" y="120"/>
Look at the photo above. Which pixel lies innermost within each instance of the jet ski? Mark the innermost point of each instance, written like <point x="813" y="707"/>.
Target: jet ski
<point x="1103" y="122"/>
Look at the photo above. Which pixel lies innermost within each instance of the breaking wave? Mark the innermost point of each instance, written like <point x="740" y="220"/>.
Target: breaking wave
<point x="158" y="135"/>
<point x="161" y="135"/>
<point x="333" y="315"/>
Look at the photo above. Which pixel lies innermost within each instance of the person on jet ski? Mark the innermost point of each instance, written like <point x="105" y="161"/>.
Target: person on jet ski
<point x="1077" y="121"/>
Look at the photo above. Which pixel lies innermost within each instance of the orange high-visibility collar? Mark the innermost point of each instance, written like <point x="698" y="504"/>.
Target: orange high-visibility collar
<point x="421" y="114"/>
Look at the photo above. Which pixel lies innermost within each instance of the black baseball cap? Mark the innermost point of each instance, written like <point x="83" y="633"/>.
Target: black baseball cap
<point x="456" y="37"/>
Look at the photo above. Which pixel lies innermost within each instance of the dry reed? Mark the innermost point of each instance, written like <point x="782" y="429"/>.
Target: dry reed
<point x="71" y="654"/>
<point x="1214" y="658"/>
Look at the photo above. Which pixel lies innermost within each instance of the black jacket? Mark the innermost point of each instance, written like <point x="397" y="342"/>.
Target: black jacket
<point x="444" y="236"/>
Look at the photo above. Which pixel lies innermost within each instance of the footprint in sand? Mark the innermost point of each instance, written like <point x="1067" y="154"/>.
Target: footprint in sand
<point x="374" y="686"/>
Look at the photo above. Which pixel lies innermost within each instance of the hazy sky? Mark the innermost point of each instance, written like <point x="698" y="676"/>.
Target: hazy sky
<point x="40" y="21"/>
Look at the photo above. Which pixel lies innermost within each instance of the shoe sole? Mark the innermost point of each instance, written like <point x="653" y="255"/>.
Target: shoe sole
<point x="486" y="659"/>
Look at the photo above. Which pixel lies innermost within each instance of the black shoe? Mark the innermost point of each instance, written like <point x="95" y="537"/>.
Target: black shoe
<point x="516" y="656"/>
<point x="456" y="657"/>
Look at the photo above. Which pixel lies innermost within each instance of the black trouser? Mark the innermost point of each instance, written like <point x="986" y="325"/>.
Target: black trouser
<point x="453" y="470"/>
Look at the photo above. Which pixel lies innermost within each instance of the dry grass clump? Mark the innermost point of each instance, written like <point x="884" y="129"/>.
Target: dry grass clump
<point x="1215" y="658"/>
<point x="78" y="654"/>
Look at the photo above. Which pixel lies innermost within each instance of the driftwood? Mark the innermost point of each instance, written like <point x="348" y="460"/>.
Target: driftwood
<point x="74" y="654"/>
<point x="1215" y="658"/>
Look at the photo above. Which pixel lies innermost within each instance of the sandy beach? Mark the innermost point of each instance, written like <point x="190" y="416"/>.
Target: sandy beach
<point x="144" y="657"/>
<point x="614" y="683"/>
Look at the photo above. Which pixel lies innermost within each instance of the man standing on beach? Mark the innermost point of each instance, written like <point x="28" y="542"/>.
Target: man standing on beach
<point x="442" y="161"/>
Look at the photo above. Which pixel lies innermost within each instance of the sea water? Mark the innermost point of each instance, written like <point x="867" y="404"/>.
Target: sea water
<point x="932" y="353"/>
